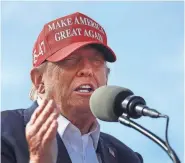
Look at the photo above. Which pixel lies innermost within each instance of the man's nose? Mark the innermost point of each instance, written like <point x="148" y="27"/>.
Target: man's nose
<point x="86" y="68"/>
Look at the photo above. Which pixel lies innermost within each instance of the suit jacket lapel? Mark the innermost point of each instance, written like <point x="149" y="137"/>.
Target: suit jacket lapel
<point x="107" y="153"/>
<point x="63" y="156"/>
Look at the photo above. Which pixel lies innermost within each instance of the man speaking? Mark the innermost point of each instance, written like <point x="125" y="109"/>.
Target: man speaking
<point x="69" y="63"/>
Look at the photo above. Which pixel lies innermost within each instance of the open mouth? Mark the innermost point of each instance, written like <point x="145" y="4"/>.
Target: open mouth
<point x="85" y="88"/>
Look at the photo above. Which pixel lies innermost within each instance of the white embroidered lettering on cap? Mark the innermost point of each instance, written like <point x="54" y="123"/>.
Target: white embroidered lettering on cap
<point x="68" y="33"/>
<point x="71" y="32"/>
<point x="60" y="24"/>
<point x="77" y="20"/>
<point x="42" y="51"/>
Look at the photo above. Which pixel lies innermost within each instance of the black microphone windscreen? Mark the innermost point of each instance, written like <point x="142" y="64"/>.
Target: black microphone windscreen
<point x="105" y="102"/>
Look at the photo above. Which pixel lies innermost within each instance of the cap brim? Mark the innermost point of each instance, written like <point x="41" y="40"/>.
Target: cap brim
<point x="66" y="51"/>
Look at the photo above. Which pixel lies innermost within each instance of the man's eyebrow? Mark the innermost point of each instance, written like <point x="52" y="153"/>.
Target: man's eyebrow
<point x="72" y="56"/>
<point x="99" y="54"/>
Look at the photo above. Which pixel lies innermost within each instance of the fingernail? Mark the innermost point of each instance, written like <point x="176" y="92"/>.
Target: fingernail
<point x="51" y="101"/>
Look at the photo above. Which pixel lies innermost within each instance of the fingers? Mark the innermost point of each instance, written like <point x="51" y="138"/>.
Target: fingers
<point x="49" y="108"/>
<point x="50" y="133"/>
<point x="47" y="124"/>
<point x="41" y="115"/>
<point x="41" y="119"/>
<point x="37" y="112"/>
<point x="41" y="130"/>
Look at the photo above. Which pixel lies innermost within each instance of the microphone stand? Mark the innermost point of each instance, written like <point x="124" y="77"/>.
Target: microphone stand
<point x="165" y="146"/>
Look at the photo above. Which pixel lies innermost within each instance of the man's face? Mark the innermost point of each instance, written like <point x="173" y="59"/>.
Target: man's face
<point x="71" y="81"/>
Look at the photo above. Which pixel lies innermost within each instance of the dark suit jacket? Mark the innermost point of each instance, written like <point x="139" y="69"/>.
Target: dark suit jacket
<point x="14" y="148"/>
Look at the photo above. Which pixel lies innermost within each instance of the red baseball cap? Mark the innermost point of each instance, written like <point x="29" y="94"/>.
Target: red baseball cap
<point x="59" y="38"/>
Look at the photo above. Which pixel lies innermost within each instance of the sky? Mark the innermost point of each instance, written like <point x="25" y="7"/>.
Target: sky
<point x="148" y="39"/>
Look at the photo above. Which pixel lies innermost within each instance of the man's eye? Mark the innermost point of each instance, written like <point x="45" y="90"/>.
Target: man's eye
<point x="71" y="60"/>
<point x="98" y="61"/>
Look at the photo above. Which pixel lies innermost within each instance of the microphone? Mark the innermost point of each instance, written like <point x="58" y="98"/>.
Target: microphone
<point x="108" y="103"/>
<point x="113" y="104"/>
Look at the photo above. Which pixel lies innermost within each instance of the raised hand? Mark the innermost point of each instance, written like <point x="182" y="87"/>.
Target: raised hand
<point x="41" y="131"/>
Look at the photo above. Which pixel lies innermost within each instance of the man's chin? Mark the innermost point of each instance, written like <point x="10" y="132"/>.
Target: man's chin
<point x="79" y="102"/>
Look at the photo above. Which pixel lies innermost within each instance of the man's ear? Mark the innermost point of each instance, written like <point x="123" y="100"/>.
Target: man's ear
<point x="37" y="80"/>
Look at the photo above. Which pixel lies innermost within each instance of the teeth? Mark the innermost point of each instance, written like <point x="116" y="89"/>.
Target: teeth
<point x="83" y="91"/>
<point x="85" y="86"/>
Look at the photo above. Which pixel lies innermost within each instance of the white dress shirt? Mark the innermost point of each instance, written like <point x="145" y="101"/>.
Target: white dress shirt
<point x="81" y="148"/>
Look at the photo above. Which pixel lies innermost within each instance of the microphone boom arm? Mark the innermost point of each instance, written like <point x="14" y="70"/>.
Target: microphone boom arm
<point x="126" y="121"/>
